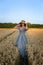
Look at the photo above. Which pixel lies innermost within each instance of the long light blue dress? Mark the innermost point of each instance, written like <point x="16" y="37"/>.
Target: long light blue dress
<point x="22" y="41"/>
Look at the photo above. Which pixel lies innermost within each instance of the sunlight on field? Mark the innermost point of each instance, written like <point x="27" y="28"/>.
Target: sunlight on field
<point x="9" y="53"/>
<point x="35" y="46"/>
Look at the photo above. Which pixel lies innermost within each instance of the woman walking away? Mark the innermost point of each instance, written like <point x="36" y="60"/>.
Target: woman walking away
<point x="22" y="40"/>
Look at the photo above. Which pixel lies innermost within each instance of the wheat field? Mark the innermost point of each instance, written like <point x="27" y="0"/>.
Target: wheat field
<point x="9" y="53"/>
<point x="35" y="46"/>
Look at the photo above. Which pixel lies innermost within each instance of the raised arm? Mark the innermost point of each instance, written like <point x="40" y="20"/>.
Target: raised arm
<point x="26" y="28"/>
<point x="17" y="27"/>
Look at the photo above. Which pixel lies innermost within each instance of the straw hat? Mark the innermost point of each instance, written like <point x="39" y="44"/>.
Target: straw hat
<point x="22" y="22"/>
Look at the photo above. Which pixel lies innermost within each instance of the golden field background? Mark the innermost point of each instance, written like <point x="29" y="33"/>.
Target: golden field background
<point x="9" y="53"/>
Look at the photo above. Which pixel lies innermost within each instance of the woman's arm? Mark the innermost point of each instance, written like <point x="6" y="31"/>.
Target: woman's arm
<point x="16" y="27"/>
<point x="26" y="27"/>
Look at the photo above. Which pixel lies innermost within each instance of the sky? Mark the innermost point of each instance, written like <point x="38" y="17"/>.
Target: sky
<point x="14" y="11"/>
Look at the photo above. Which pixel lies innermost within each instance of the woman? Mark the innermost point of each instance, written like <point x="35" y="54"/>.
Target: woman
<point x="22" y="40"/>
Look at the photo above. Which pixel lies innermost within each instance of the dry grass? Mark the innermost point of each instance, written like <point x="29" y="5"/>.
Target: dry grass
<point x="35" y="46"/>
<point x="9" y="54"/>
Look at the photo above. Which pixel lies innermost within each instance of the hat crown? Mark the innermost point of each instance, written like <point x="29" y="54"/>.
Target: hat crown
<point x="22" y="21"/>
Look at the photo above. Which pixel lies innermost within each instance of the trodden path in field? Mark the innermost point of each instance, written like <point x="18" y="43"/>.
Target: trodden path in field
<point x="8" y="52"/>
<point x="7" y="46"/>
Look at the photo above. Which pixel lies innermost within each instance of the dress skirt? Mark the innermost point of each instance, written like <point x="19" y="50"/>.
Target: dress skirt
<point x="21" y="43"/>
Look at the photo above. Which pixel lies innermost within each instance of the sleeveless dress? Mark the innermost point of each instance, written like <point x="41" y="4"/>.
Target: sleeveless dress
<point x="22" y="41"/>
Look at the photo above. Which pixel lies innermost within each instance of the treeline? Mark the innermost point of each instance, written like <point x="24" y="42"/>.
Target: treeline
<point x="35" y="25"/>
<point x="7" y="25"/>
<point x="12" y="25"/>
